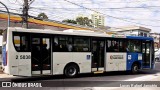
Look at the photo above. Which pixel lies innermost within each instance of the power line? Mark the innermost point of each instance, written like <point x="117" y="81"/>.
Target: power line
<point x="15" y="3"/>
<point x="11" y="12"/>
<point x="11" y="9"/>
<point x="12" y="2"/>
<point x="109" y="15"/>
<point x="156" y="20"/>
<point x="112" y="27"/>
<point x="146" y="7"/>
<point x="52" y="15"/>
<point x="106" y="1"/>
<point x="106" y="10"/>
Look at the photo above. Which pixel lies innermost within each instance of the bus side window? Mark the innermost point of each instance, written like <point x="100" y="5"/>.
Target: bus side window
<point x="112" y="46"/>
<point x="123" y="46"/>
<point x="24" y="43"/>
<point x="134" y="46"/>
<point x="21" y="42"/>
<point x="62" y="44"/>
<point x="109" y="46"/>
<point x="81" y="44"/>
<point x="116" y="45"/>
<point x="17" y="42"/>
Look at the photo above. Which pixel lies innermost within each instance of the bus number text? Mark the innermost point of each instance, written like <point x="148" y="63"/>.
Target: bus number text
<point x="23" y="56"/>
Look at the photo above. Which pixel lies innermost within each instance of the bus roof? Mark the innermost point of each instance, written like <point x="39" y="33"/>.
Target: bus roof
<point x="78" y="33"/>
<point x="49" y="31"/>
<point x="139" y="37"/>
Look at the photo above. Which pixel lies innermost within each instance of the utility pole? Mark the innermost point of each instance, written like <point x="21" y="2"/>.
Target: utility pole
<point x="25" y="14"/>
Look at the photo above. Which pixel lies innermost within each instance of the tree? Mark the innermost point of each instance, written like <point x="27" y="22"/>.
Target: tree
<point x="80" y="20"/>
<point x="42" y="16"/>
<point x="84" y="21"/>
<point x="70" y="21"/>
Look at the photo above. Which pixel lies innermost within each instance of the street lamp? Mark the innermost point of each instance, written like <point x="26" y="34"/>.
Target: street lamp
<point x="7" y="12"/>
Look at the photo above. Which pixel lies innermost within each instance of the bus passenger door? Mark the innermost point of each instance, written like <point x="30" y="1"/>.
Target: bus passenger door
<point x="41" y="55"/>
<point x="146" y="51"/>
<point x="98" y="51"/>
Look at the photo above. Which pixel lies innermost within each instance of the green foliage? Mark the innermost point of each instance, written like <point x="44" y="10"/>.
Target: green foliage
<point x="84" y="21"/>
<point x="42" y="16"/>
<point x="70" y="21"/>
<point x="80" y="20"/>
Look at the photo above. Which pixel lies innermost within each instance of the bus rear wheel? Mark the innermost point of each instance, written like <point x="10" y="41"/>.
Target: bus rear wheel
<point x="71" y="71"/>
<point x="134" y="69"/>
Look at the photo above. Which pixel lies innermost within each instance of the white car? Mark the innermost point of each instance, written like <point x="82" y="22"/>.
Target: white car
<point x="157" y="55"/>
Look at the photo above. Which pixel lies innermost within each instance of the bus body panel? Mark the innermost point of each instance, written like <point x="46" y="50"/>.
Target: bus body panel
<point x="24" y="63"/>
<point x="133" y="57"/>
<point x="61" y="59"/>
<point x="19" y="62"/>
<point x="115" y="61"/>
<point x="83" y="59"/>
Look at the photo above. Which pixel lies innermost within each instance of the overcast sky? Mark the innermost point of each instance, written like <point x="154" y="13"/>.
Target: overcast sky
<point x="144" y="13"/>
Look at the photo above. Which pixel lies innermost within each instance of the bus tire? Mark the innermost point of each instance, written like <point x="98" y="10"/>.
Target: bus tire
<point x="135" y="69"/>
<point x="71" y="70"/>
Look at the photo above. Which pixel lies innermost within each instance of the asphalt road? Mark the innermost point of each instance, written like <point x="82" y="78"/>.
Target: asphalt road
<point x="87" y="81"/>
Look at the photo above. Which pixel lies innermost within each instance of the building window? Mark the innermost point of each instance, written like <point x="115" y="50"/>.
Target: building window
<point x="141" y="34"/>
<point x="145" y="34"/>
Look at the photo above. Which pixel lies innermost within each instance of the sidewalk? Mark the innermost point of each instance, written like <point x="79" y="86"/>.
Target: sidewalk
<point x="157" y="78"/>
<point x="3" y="75"/>
<point x="1" y="71"/>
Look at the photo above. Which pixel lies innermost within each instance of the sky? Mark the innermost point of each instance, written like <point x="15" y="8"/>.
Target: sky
<point x="145" y="13"/>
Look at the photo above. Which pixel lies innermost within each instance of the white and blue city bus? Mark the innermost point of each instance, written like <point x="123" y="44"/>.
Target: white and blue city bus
<point x="30" y="52"/>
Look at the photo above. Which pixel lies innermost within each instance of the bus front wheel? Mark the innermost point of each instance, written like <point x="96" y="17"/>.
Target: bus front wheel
<point x="71" y="70"/>
<point x="134" y="69"/>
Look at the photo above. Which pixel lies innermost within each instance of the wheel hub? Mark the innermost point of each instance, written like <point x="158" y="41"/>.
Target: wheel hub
<point x="135" y="68"/>
<point x="71" y="71"/>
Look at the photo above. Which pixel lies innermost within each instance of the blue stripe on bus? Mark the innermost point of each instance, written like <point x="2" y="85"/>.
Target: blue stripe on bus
<point x="4" y="56"/>
<point x="139" y="37"/>
<point x="131" y="58"/>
